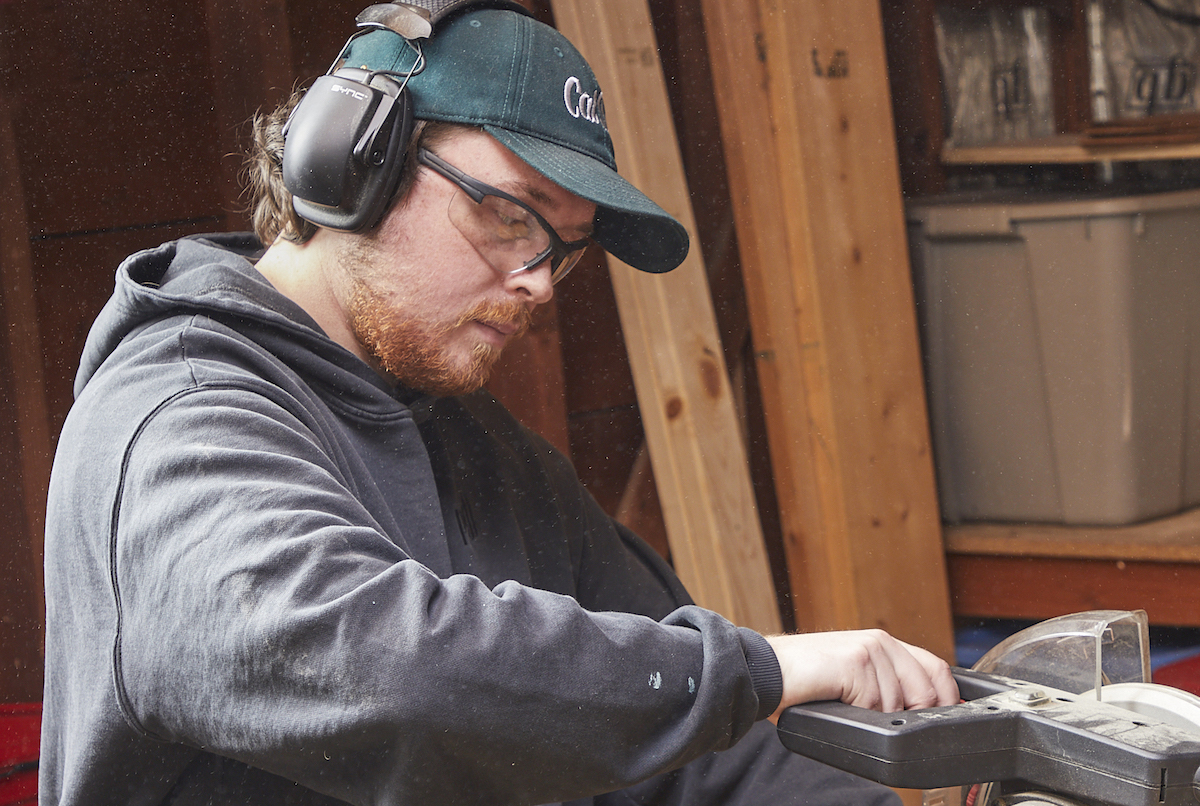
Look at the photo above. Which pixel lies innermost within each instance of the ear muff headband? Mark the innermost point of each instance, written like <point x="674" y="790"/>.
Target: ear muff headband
<point x="344" y="145"/>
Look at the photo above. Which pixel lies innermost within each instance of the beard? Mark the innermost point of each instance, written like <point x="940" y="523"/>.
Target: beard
<point x="414" y="350"/>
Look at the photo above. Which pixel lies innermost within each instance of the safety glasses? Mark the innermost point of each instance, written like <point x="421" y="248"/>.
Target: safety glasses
<point x="509" y="234"/>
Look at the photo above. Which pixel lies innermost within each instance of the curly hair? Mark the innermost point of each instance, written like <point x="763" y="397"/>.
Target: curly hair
<point x="270" y="203"/>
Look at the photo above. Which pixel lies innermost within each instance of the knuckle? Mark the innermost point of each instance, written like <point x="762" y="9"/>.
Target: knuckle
<point x="876" y="638"/>
<point x="860" y="656"/>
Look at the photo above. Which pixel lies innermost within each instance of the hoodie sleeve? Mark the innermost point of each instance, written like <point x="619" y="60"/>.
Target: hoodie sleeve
<point x="265" y="616"/>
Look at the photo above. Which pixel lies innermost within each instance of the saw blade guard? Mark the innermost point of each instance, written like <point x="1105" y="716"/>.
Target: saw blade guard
<point x="1078" y="653"/>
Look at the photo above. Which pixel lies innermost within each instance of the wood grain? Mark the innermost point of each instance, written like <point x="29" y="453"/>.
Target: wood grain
<point x="807" y="127"/>
<point x="1041" y="570"/>
<point x="695" y="443"/>
<point x="22" y="342"/>
<point x="1171" y="539"/>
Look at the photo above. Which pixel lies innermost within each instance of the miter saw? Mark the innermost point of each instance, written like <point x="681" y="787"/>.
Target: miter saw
<point x="1060" y="714"/>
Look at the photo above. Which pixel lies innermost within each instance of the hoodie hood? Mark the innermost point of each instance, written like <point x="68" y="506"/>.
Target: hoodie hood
<point x="214" y="276"/>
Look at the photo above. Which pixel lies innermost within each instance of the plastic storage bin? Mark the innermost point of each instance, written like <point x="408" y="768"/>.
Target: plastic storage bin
<point x="1062" y="348"/>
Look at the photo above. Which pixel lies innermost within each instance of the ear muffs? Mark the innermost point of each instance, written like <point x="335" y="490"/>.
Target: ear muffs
<point x="345" y="141"/>
<point x="344" y="148"/>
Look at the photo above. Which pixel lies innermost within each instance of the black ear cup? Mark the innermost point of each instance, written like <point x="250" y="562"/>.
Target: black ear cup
<point x="344" y="148"/>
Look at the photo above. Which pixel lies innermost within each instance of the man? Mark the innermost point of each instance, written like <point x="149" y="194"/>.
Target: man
<point x="296" y="555"/>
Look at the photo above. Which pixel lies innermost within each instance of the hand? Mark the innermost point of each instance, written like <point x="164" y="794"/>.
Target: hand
<point x="868" y="668"/>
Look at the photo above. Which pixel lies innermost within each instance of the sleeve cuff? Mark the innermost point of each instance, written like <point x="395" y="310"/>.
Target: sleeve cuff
<point x="765" y="673"/>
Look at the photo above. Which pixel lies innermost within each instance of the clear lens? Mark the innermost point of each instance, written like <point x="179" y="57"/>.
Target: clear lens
<point x="507" y="235"/>
<point x="566" y="264"/>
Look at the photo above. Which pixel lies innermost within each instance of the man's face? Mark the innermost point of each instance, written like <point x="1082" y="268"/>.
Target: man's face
<point x="422" y="302"/>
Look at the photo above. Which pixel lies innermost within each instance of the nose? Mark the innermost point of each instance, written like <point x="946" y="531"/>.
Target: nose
<point x="533" y="284"/>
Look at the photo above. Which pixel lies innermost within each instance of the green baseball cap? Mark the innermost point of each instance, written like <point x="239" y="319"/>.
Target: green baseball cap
<point x="526" y="85"/>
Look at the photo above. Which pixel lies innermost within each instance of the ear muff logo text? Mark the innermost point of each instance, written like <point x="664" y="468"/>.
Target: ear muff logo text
<point x="344" y="90"/>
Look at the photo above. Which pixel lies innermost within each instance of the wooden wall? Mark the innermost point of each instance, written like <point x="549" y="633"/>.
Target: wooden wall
<point x="114" y="147"/>
<point x="121" y="134"/>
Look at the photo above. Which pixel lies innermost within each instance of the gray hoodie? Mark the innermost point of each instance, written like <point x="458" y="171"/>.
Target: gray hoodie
<point x="273" y="578"/>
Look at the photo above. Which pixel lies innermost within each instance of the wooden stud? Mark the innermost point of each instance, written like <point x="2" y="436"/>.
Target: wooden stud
<point x="250" y="57"/>
<point x="22" y="340"/>
<point x="808" y="134"/>
<point x="696" y="448"/>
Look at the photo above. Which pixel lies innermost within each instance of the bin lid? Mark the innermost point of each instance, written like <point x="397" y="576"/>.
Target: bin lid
<point x="997" y="212"/>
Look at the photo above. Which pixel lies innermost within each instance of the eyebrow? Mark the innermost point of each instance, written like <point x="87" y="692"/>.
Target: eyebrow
<point x="535" y="194"/>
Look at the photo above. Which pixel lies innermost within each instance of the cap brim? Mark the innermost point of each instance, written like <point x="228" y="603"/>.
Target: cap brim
<point x="629" y="226"/>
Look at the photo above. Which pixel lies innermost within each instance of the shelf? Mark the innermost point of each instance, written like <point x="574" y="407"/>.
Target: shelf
<point x="1069" y="148"/>
<point x="1035" y="571"/>
<point x="1175" y="538"/>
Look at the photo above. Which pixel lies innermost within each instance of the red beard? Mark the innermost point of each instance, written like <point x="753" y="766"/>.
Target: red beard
<point x="413" y="351"/>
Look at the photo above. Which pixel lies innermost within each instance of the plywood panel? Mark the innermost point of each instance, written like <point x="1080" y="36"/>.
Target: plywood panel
<point x="109" y="106"/>
<point x="128" y="150"/>
<point x="596" y="361"/>
<point x="250" y="59"/>
<point x="65" y="41"/>
<point x="528" y="380"/>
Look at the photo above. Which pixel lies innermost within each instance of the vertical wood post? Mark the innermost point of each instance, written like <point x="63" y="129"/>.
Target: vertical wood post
<point x="22" y="340"/>
<point x="807" y="127"/>
<point x="670" y="328"/>
<point x="249" y="48"/>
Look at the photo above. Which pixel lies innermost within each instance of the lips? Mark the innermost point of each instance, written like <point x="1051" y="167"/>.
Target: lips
<point x="508" y="319"/>
<point x="505" y="328"/>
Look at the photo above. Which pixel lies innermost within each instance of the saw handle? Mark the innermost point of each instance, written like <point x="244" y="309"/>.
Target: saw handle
<point x="976" y="685"/>
<point x="1006" y="731"/>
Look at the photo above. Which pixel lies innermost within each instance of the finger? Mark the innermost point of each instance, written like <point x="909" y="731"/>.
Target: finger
<point x="874" y="682"/>
<point x="943" y="678"/>
<point x="891" y="688"/>
<point x="890" y="664"/>
<point x="870" y="687"/>
<point x="909" y="683"/>
<point x="933" y="683"/>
